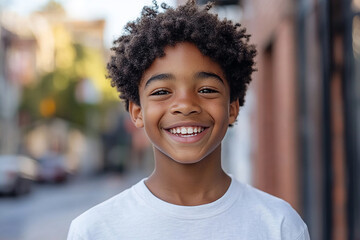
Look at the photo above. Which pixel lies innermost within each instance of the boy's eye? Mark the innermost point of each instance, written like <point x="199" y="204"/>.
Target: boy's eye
<point x="159" y="92"/>
<point x="207" y="90"/>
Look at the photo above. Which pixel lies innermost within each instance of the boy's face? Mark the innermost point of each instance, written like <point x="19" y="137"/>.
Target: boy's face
<point x="185" y="105"/>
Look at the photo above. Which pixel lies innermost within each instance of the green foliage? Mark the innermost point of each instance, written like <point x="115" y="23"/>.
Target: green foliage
<point x="60" y="87"/>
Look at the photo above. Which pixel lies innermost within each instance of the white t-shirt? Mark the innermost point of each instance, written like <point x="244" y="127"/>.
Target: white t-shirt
<point x="243" y="212"/>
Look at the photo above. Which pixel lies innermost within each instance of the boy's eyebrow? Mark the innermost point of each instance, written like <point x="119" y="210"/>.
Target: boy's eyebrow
<point x="168" y="76"/>
<point x="162" y="76"/>
<point x="209" y="74"/>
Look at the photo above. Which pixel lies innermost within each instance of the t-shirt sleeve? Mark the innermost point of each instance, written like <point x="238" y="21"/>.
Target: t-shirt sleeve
<point x="293" y="227"/>
<point x="304" y="235"/>
<point x="73" y="233"/>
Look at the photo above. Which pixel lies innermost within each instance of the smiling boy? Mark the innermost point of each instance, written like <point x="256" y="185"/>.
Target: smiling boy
<point x="183" y="75"/>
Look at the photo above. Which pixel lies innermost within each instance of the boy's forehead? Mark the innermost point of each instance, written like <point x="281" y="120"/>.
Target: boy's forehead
<point x="184" y="56"/>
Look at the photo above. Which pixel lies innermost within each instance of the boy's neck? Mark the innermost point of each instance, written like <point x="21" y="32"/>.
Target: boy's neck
<point x="188" y="184"/>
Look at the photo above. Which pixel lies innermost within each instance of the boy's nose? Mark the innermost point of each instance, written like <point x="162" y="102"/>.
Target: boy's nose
<point x="185" y="104"/>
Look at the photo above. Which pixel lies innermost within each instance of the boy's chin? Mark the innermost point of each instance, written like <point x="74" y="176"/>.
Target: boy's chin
<point x="187" y="156"/>
<point x="187" y="160"/>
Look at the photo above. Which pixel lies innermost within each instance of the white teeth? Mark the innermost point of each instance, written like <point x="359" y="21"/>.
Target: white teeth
<point x="183" y="130"/>
<point x="191" y="131"/>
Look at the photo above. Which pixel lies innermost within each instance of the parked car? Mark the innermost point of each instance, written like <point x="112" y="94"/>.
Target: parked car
<point x="52" y="168"/>
<point x="17" y="173"/>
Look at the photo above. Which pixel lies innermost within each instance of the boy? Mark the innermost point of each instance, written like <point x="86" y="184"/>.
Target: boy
<point x="183" y="75"/>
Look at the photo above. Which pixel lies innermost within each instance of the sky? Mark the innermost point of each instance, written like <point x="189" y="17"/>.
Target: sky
<point x="116" y="12"/>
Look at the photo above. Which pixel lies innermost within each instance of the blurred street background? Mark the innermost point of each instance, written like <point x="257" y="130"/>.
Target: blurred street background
<point x="66" y="142"/>
<point x="47" y="212"/>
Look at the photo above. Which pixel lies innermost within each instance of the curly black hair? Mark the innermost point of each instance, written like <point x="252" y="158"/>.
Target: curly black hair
<point x="145" y="39"/>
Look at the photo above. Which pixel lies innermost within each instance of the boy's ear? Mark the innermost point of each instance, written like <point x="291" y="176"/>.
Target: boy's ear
<point x="136" y="114"/>
<point x="233" y="111"/>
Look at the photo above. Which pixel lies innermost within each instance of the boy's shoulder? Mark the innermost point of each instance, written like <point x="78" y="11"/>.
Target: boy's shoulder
<point x="111" y="210"/>
<point x="263" y="201"/>
<point x="272" y="211"/>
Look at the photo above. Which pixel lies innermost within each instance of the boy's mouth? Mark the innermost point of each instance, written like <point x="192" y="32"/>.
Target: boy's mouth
<point x="186" y="131"/>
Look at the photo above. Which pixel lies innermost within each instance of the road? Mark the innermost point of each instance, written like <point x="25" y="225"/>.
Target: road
<point x="46" y="213"/>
